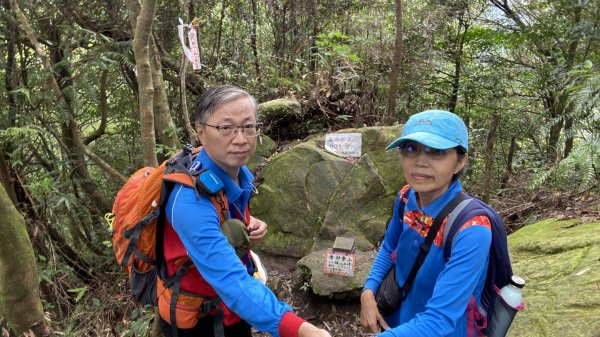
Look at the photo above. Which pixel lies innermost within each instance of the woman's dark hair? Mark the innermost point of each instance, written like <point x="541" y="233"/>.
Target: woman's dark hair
<point x="461" y="156"/>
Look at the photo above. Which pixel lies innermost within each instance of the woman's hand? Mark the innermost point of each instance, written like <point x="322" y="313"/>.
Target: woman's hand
<point x="257" y="228"/>
<point x="370" y="317"/>
<point x="308" y="330"/>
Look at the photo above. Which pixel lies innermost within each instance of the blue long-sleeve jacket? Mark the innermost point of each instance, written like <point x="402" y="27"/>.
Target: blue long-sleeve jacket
<point x="437" y="302"/>
<point x="196" y="221"/>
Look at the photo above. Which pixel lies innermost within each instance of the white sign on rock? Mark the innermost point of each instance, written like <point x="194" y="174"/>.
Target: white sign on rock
<point x="344" y="144"/>
<point x="338" y="263"/>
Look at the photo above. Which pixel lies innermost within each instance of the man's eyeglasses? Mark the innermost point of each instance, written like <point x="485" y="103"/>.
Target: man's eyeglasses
<point x="413" y="149"/>
<point x="249" y="130"/>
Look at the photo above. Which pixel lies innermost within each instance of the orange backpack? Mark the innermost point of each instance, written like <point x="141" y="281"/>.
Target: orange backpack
<point x="137" y="225"/>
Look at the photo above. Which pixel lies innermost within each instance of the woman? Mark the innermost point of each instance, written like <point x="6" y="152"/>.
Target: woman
<point x="433" y="149"/>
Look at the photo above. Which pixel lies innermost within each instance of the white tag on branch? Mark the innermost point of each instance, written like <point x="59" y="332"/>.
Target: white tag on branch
<point x="193" y="52"/>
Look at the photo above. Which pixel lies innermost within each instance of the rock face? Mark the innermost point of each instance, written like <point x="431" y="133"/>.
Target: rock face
<point x="265" y="146"/>
<point x="560" y="261"/>
<point x="309" y="196"/>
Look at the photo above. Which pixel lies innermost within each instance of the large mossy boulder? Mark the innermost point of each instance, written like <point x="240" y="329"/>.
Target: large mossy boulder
<point x="309" y="196"/>
<point x="560" y="260"/>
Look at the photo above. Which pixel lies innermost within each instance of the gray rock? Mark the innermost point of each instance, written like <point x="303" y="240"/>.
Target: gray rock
<point x="334" y="286"/>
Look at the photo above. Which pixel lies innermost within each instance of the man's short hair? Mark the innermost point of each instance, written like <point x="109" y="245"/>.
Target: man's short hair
<point x="215" y="97"/>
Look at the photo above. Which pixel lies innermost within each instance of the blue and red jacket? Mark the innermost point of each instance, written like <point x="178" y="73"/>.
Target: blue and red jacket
<point x="193" y="229"/>
<point x="438" y="301"/>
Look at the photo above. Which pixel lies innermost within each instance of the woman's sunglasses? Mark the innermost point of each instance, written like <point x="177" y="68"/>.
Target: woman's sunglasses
<point x="413" y="149"/>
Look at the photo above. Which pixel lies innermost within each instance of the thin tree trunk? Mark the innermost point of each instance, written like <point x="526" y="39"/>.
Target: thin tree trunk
<point x="312" y="62"/>
<point x="141" y="48"/>
<point x="489" y="157"/>
<point x="391" y="103"/>
<point x="569" y="142"/>
<point x="555" y="130"/>
<point x="253" y="38"/>
<point x="102" y="107"/>
<point x="509" y="162"/>
<point x="220" y="31"/>
<point x="11" y="76"/>
<point x="457" y="68"/>
<point x="191" y="134"/>
<point x="21" y="305"/>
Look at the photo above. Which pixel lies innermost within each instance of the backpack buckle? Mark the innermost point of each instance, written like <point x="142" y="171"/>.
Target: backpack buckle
<point x="172" y="160"/>
<point x="188" y="148"/>
<point x="205" y="307"/>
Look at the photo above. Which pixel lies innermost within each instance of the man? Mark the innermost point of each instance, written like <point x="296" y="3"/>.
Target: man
<point x="226" y="125"/>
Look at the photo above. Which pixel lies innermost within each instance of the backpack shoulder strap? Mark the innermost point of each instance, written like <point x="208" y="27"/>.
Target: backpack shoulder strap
<point x="453" y="224"/>
<point x="474" y="207"/>
<point x="499" y="255"/>
<point x="424" y="248"/>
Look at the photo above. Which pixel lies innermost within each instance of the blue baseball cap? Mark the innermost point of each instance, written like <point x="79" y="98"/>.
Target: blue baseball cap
<point x="434" y="128"/>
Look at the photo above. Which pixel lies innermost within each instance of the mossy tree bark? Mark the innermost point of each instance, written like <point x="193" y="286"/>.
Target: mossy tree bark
<point x="142" y="26"/>
<point x="20" y="302"/>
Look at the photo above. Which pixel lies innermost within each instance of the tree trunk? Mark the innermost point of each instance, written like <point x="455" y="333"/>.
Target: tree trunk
<point x="553" y="151"/>
<point x="220" y="31"/>
<point x="142" y="25"/>
<point x="20" y="302"/>
<point x="253" y="38"/>
<point x="489" y="158"/>
<point x="457" y="68"/>
<point x="312" y="62"/>
<point x="187" y="125"/>
<point x="509" y="162"/>
<point x="102" y="108"/>
<point x="7" y="180"/>
<point x="163" y="122"/>
<point x="569" y="142"/>
<point x="11" y="75"/>
<point x="10" y="84"/>
<point x="391" y="103"/>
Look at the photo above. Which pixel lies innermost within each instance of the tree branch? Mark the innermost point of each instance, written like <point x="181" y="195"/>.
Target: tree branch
<point x="103" y="107"/>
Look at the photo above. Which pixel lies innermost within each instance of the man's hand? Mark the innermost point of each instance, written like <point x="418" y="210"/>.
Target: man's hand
<point x="370" y="317"/>
<point x="257" y="228"/>
<point x="308" y="330"/>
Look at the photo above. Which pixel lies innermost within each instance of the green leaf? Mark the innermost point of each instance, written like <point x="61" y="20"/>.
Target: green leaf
<point x="79" y="291"/>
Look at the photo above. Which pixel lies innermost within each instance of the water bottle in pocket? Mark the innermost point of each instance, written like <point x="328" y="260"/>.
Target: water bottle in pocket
<point x="506" y="306"/>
